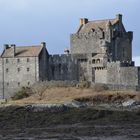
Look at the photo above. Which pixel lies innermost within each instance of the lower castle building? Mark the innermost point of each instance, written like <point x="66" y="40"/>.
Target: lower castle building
<point x="100" y="52"/>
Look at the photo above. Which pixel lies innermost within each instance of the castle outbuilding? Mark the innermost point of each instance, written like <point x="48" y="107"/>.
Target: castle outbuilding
<point x="100" y="52"/>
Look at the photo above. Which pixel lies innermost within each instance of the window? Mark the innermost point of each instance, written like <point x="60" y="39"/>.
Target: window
<point x="18" y="69"/>
<point x="98" y="60"/>
<point x="28" y="83"/>
<point x="18" y="83"/>
<point x="82" y="60"/>
<point x="28" y="60"/>
<point x="18" y="60"/>
<point x="7" y="61"/>
<point x="7" y="70"/>
<point x="103" y="35"/>
<point x="93" y="61"/>
<point x="28" y="69"/>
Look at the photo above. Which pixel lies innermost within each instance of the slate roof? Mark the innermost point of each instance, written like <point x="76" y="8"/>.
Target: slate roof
<point x="96" y="24"/>
<point x="23" y="51"/>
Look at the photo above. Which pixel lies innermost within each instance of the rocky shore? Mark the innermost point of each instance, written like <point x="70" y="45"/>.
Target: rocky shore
<point x="71" y="121"/>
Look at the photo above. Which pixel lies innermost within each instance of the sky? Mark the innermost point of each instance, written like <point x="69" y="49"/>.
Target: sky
<point x="30" y="22"/>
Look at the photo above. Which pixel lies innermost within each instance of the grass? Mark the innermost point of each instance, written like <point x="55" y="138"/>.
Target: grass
<point x="58" y="95"/>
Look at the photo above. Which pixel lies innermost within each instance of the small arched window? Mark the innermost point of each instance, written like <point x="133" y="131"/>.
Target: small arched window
<point x="98" y="60"/>
<point x="93" y="61"/>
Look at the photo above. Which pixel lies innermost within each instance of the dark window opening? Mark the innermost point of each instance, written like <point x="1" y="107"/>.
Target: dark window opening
<point x="93" y="61"/>
<point x="28" y="83"/>
<point x="82" y="60"/>
<point x="18" y="60"/>
<point x="18" y="69"/>
<point x="28" y="69"/>
<point x="98" y="61"/>
<point x="28" y="60"/>
<point x="18" y="83"/>
<point x="103" y="35"/>
<point x="7" y="61"/>
<point x="7" y="70"/>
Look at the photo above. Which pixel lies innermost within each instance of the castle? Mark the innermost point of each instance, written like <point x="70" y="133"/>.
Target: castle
<point x="100" y="52"/>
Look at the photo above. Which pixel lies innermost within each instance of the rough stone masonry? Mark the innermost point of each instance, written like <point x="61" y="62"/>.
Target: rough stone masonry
<point x="100" y="52"/>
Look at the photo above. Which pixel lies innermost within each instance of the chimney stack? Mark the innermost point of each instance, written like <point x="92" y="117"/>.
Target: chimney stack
<point x="119" y="17"/>
<point x="6" y="46"/>
<point x="43" y="44"/>
<point x="13" y="46"/>
<point x="83" y="21"/>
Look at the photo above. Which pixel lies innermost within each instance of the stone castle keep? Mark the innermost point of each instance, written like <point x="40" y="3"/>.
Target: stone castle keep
<point x="100" y="52"/>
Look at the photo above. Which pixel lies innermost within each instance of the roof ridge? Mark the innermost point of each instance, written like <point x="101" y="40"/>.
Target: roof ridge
<point x="30" y="46"/>
<point x="103" y="20"/>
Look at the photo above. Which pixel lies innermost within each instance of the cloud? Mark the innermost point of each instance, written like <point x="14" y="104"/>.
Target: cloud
<point x="137" y="60"/>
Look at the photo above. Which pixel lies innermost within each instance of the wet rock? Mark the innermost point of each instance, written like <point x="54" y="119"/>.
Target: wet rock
<point x="131" y="103"/>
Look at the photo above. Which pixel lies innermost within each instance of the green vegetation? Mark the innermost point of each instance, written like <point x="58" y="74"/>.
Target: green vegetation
<point x="23" y="93"/>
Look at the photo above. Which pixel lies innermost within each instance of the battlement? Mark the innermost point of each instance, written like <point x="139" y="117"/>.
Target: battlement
<point x="63" y="58"/>
<point x="121" y="64"/>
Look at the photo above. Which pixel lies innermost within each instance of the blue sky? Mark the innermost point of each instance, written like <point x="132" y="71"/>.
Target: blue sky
<point x="27" y="22"/>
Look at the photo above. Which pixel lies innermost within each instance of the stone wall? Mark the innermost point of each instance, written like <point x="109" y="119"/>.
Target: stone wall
<point x="19" y="72"/>
<point x="1" y="79"/>
<point x="85" y="43"/>
<point x="101" y="76"/>
<point x="129" y="76"/>
<point x="113" y="73"/>
<point x="62" y="67"/>
<point x="123" y="49"/>
<point x="120" y="75"/>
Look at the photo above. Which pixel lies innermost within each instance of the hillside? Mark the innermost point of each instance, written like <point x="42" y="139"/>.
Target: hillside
<point x="61" y="95"/>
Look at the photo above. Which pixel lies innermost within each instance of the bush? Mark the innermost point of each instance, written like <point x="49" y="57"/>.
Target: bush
<point x="99" y="87"/>
<point x="83" y="84"/>
<point x="23" y="93"/>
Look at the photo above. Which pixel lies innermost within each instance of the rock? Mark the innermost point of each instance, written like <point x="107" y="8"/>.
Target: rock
<point x="46" y="107"/>
<point x="3" y="101"/>
<point x="130" y="103"/>
<point x="78" y="104"/>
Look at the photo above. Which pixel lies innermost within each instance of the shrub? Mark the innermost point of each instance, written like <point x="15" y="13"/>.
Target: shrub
<point x="99" y="87"/>
<point x="23" y="93"/>
<point x="83" y="84"/>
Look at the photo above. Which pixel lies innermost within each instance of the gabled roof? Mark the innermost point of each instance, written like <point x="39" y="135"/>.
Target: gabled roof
<point x="102" y="24"/>
<point x="23" y="51"/>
